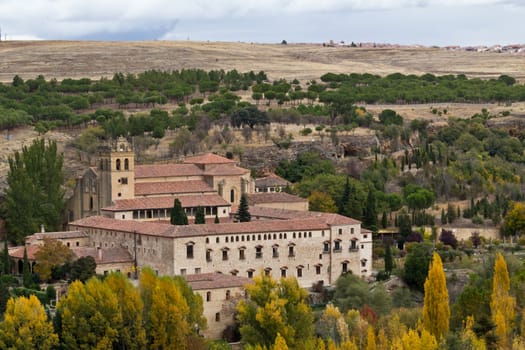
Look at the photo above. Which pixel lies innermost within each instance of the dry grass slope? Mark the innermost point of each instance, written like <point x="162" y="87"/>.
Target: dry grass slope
<point x="76" y="59"/>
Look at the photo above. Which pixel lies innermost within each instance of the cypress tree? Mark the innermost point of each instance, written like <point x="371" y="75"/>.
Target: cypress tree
<point x="384" y="220"/>
<point x="178" y="215"/>
<point x="216" y="219"/>
<point x="344" y="198"/>
<point x="27" y="278"/>
<point x="199" y="216"/>
<point x="243" y="213"/>
<point x="5" y="258"/>
<point x="436" y="310"/>
<point x="389" y="261"/>
<point x="370" y="215"/>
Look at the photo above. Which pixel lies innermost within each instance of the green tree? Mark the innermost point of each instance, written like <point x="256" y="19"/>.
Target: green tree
<point x="131" y="335"/>
<point x="352" y="292"/>
<point x="199" y="216"/>
<point x="275" y="308"/>
<point x="35" y="194"/>
<point x="26" y="326"/>
<point x="370" y="214"/>
<point x="436" y="311"/>
<point x="89" y="316"/>
<point x="27" y="277"/>
<point x="216" y="221"/>
<point x="243" y="212"/>
<point x="514" y="223"/>
<point x="178" y="215"/>
<point x="83" y="268"/>
<point x="416" y="265"/>
<point x="321" y="201"/>
<point x="384" y="220"/>
<point x="6" y="260"/>
<point x="502" y="304"/>
<point x="389" y="260"/>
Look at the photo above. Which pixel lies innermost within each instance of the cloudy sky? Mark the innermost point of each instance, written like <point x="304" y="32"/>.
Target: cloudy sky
<point x="427" y="22"/>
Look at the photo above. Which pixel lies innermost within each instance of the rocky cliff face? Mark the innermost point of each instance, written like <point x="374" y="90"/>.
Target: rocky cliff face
<point x="268" y="157"/>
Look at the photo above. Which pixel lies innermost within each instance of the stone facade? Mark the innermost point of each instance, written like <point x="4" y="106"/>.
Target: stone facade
<point x="220" y="295"/>
<point x="119" y="188"/>
<point x="313" y="247"/>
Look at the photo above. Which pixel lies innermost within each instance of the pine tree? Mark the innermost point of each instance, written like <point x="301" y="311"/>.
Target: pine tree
<point x="436" y="311"/>
<point x="243" y="213"/>
<point x="199" y="216"/>
<point x="444" y="219"/>
<point x="502" y="304"/>
<point x="27" y="278"/>
<point x="178" y="215"/>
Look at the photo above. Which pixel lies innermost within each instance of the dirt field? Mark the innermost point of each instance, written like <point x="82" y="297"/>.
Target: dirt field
<point x="61" y="59"/>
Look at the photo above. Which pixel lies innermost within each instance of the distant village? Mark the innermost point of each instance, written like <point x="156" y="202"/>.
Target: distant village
<point x="513" y="48"/>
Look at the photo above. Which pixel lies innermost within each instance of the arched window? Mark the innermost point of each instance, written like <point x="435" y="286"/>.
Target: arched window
<point x="126" y="164"/>
<point x="117" y="164"/>
<point x="232" y="195"/>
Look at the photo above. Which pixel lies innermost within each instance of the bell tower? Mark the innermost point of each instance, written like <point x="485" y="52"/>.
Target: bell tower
<point x="117" y="167"/>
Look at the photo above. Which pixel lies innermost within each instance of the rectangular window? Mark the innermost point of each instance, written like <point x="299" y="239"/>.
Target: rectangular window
<point x="353" y="245"/>
<point x="183" y="272"/>
<point x="224" y="254"/>
<point x="250" y="274"/>
<point x="291" y="251"/>
<point x="241" y="254"/>
<point x="326" y="247"/>
<point x="258" y="252"/>
<point x="344" y="267"/>
<point x="283" y="273"/>
<point x="218" y="317"/>
<point x="208" y="255"/>
<point x="197" y="270"/>
<point x="318" y="270"/>
<point x="299" y="272"/>
<point x="275" y="252"/>
<point x="189" y="251"/>
<point x="124" y="180"/>
<point x="340" y="231"/>
<point x="337" y="246"/>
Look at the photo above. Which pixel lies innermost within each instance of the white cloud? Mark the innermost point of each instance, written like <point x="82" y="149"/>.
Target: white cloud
<point x="64" y="19"/>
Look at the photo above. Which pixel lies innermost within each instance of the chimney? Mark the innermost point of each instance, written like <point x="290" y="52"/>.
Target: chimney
<point x="42" y="229"/>
<point x="99" y="253"/>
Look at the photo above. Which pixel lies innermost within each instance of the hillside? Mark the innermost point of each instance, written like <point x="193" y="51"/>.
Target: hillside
<point x="76" y="59"/>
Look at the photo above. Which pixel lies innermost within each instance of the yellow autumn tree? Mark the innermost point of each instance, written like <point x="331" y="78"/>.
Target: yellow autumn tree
<point x="132" y="334"/>
<point x="332" y="325"/>
<point x="52" y="253"/>
<point x="275" y="308"/>
<point x="470" y="338"/>
<point x="382" y="341"/>
<point x="321" y="201"/>
<point x="436" y="310"/>
<point x="502" y="304"/>
<point x="89" y="316"/>
<point x="371" y="339"/>
<point x="280" y="343"/>
<point x="414" y="339"/>
<point x="165" y="312"/>
<point x="26" y="326"/>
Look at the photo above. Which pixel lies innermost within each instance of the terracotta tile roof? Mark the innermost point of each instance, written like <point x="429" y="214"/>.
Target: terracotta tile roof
<point x="166" y="170"/>
<point x="271" y="180"/>
<point x="209" y="158"/>
<point x="166" y="202"/>
<point x="106" y="256"/>
<point x="273" y="197"/>
<point x="225" y="169"/>
<point x="167" y="230"/>
<point x="172" y="187"/>
<point x="18" y="252"/>
<point x="56" y="235"/>
<point x="286" y="214"/>
<point x="140" y="227"/>
<point x="203" y="281"/>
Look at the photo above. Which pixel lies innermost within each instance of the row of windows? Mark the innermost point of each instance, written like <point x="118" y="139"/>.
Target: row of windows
<point x="338" y="247"/>
<point x="262" y="237"/>
<point x="242" y="252"/>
